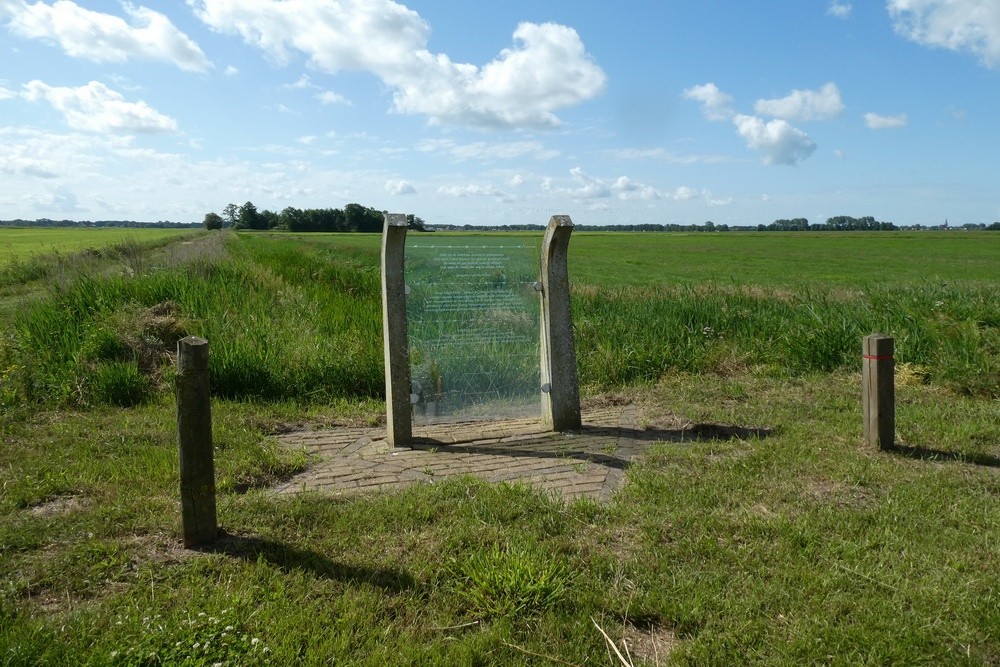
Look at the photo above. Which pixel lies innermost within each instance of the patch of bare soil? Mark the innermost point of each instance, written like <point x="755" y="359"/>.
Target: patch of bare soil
<point x="157" y="548"/>
<point x="58" y="505"/>
<point x="648" y="643"/>
<point x="830" y="492"/>
<point x="609" y="400"/>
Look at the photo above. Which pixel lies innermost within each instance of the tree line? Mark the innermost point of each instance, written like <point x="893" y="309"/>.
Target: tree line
<point x="48" y="222"/>
<point x="840" y="223"/>
<point x="352" y="218"/>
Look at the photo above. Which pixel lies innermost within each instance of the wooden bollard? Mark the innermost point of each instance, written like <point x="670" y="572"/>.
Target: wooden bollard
<point x="878" y="393"/>
<point x="194" y="433"/>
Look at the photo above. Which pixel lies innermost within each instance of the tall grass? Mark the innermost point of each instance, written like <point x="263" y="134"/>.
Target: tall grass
<point x="625" y="335"/>
<point x="297" y="319"/>
<point x="281" y="325"/>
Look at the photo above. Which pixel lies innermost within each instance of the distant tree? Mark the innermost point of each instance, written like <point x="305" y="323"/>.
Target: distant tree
<point x="248" y="217"/>
<point x="229" y="215"/>
<point x="413" y="222"/>
<point x="995" y="227"/>
<point x="270" y="219"/>
<point x="362" y="219"/>
<point x="292" y="219"/>
<point x="213" y="221"/>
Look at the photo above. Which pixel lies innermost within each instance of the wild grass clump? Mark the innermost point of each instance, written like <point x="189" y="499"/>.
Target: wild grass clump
<point x="507" y="580"/>
<point x="283" y="323"/>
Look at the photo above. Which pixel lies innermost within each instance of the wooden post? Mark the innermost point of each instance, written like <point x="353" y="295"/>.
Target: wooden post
<point x="399" y="418"/>
<point x="560" y="382"/>
<point x="194" y="433"/>
<point x="878" y="391"/>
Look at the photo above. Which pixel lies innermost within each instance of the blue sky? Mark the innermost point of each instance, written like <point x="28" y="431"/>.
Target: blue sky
<point x="503" y="113"/>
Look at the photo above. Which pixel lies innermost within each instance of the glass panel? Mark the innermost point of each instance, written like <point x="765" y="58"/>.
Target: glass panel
<point x="472" y="320"/>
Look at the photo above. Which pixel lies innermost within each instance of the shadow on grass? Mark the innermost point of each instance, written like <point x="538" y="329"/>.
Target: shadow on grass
<point x="928" y="454"/>
<point x="289" y="559"/>
<point x="610" y="446"/>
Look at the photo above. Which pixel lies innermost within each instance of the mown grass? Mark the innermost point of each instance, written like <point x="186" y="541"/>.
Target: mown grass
<point x="24" y="243"/>
<point x="803" y="546"/>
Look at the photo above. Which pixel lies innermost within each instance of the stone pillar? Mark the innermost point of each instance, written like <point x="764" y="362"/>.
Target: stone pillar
<point x="560" y="383"/>
<point x="399" y="424"/>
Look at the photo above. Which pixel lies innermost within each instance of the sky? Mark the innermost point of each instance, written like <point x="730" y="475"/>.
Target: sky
<point x="626" y="112"/>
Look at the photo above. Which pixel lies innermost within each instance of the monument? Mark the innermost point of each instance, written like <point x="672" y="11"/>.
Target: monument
<point x="477" y="327"/>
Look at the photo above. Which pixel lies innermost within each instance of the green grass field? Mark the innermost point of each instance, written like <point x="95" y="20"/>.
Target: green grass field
<point x="23" y="243"/>
<point x="802" y="547"/>
<point x="809" y="259"/>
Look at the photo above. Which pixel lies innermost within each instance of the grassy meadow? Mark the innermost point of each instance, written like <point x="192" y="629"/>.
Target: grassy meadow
<point x="804" y="546"/>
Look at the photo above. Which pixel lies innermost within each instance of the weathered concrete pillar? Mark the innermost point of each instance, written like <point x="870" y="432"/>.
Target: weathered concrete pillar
<point x="399" y="424"/>
<point x="560" y="382"/>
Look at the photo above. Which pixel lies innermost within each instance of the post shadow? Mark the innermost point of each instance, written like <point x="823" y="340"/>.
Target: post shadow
<point x="287" y="558"/>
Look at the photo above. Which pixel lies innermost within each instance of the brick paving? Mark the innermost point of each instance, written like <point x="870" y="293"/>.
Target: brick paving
<point x="590" y="463"/>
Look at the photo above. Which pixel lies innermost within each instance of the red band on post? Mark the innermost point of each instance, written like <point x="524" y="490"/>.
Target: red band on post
<point x="877" y="357"/>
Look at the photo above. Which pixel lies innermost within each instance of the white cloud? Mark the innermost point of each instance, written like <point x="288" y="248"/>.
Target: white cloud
<point x="34" y="154"/>
<point x="470" y="191"/>
<point x="547" y="68"/>
<point x="840" y="10"/>
<point x="959" y="25"/>
<point x="800" y="105"/>
<point x="328" y="97"/>
<point x="6" y="94"/>
<point x="685" y="193"/>
<point x="517" y="180"/>
<point x="400" y="188"/>
<point x="100" y="37"/>
<point x="780" y="142"/>
<point x="486" y="151"/>
<point x="96" y="108"/>
<point x="302" y="83"/>
<point x="231" y="71"/>
<point x="662" y="154"/>
<point x="876" y="122"/>
<point x="716" y="105"/>
<point x="587" y="187"/>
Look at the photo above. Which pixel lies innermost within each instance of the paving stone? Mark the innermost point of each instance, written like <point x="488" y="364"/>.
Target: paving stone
<point x="588" y="464"/>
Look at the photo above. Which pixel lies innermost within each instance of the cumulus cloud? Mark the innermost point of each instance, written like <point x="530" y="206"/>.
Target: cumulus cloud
<point x="959" y="25"/>
<point x="876" y="122"/>
<point x="586" y="187"/>
<point x="96" y="108"/>
<point x="780" y="142"/>
<point x="20" y="159"/>
<point x="6" y="94"/>
<point x="840" y="10"/>
<point x="546" y="69"/>
<point x="102" y="38"/>
<point x="715" y="104"/>
<point x="400" y="188"/>
<point x="799" y="105"/>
